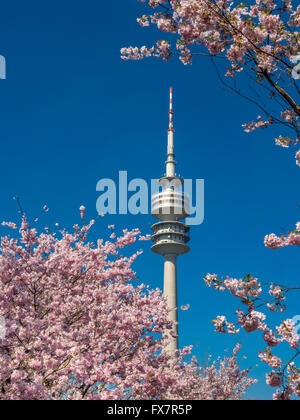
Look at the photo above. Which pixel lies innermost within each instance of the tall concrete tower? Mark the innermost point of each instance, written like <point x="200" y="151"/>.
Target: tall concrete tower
<point x="170" y="236"/>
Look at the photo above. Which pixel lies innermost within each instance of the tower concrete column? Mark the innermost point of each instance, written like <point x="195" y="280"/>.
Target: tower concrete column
<point x="170" y="293"/>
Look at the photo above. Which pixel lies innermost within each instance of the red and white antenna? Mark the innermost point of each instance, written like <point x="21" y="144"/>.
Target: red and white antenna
<point x="171" y="112"/>
<point x="170" y="163"/>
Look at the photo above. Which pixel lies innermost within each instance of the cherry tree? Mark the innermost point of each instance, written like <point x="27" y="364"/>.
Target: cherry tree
<point x="285" y="375"/>
<point x="77" y="327"/>
<point x="258" y="38"/>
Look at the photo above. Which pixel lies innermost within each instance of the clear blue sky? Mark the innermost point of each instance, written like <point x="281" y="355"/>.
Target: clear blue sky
<point x="72" y="113"/>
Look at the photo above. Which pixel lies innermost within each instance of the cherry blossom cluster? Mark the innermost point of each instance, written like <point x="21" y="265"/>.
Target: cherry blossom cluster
<point x="258" y="36"/>
<point x="230" y="27"/>
<point x="273" y="241"/>
<point x="289" y="115"/>
<point x="161" y="50"/>
<point x="257" y="124"/>
<point x="246" y="288"/>
<point x="223" y="326"/>
<point x="278" y="293"/>
<point x="283" y="141"/>
<point x="284" y="375"/>
<point x="271" y="360"/>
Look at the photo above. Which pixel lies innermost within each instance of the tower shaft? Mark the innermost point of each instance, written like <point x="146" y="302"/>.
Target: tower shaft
<point x="170" y="293"/>
<point x="170" y="163"/>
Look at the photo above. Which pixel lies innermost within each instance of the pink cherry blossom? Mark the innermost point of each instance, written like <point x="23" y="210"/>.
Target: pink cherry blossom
<point x="259" y="38"/>
<point x="82" y="212"/>
<point x="80" y="327"/>
<point x="271" y="360"/>
<point x="273" y="380"/>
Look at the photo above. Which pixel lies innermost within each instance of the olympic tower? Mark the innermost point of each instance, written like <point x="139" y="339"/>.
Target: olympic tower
<point x="170" y="236"/>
